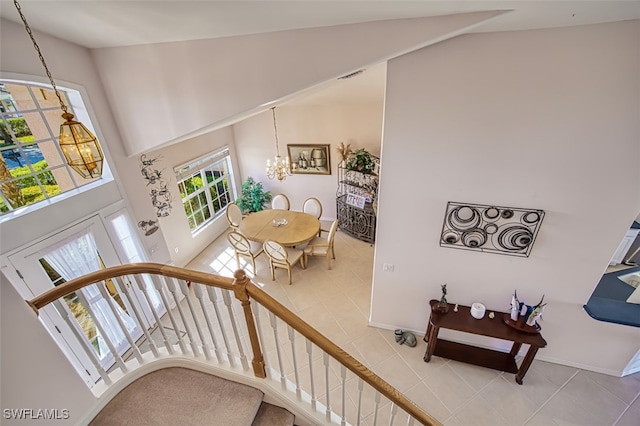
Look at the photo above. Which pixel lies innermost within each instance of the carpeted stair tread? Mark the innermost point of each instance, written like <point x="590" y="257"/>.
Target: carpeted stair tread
<point x="179" y="396"/>
<point x="270" y="415"/>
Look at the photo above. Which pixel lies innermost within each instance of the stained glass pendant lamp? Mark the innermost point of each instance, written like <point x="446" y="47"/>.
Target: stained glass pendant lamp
<point x="80" y="147"/>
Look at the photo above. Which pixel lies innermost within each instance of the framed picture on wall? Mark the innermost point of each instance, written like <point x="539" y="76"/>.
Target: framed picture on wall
<point x="310" y="159"/>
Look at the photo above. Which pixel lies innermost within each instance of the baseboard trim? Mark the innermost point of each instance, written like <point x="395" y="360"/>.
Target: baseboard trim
<point x="540" y="355"/>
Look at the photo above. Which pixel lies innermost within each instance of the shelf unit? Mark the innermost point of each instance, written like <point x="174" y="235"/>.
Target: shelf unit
<point x="355" y="217"/>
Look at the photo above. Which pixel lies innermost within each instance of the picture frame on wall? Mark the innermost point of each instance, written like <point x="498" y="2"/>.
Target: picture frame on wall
<point x="311" y="159"/>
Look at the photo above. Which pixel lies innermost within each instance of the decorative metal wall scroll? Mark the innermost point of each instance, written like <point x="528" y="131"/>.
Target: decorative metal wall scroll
<point x="148" y="226"/>
<point x="492" y="229"/>
<point x="160" y="195"/>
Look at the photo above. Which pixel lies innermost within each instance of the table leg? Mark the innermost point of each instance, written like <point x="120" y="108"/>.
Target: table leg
<point x="526" y="363"/>
<point x="426" y="335"/>
<point x="515" y="349"/>
<point x="431" y="344"/>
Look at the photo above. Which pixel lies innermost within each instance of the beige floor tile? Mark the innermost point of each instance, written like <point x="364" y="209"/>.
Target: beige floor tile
<point x="626" y="388"/>
<point x="583" y="402"/>
<point x="631" y="417"/>
<point x="374" y="348"/>
<point x="479" y="413"/>
<point x="452" y="421"/>
<point x="337" y="303"/>
<point x="509" y="400"/>
<point x="541" y="420"/>
<point x="450" y="388"/>
<point x="397" y="373"/>
<point x="424" y="398"/>
<point x="555" y="373"/>
<point x="475" y="377"/>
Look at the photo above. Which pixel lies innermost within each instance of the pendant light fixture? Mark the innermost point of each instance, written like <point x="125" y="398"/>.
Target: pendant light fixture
<point x="280" y="168"/>
<point x="79" y="146"/>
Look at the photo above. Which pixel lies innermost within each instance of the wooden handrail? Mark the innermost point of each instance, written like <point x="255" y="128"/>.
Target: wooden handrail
<point x="76" y="284"/>
<point x="341" y="356"/>
<point x="261" y="297"/>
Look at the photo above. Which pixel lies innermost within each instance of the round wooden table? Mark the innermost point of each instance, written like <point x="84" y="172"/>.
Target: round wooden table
<point x="300" y="228"/>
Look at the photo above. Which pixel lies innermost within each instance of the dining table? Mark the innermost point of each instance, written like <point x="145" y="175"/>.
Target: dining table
<point x="286" y="227"/>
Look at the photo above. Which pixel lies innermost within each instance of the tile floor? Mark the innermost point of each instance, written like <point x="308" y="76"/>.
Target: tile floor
<point x="337" y="303"/>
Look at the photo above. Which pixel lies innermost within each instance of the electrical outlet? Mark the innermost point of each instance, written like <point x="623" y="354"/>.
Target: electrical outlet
<point x="387" y="267"/>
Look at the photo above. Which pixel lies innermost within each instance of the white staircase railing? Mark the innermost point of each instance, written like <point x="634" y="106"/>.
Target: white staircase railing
<point x="205" y="324"/>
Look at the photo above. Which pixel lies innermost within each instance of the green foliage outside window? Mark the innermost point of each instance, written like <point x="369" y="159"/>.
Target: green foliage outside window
<point x="26" y="190"/>
<point x="19" y="127"/>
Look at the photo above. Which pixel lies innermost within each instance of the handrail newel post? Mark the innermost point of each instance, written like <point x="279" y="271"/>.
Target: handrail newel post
<point x="240" y="291"/>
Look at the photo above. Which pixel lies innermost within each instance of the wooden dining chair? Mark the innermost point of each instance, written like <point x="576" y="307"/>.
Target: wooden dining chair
<point x="234" y="216"/>
<point x="282" y="257"/>
<point x="323" y="246"/>
<point x="244" y="247"/>
<point x="313" y="206"/>
<point x="280" y="202"/>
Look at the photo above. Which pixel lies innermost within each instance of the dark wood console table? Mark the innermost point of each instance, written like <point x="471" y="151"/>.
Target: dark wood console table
<point x="496" y="327"/>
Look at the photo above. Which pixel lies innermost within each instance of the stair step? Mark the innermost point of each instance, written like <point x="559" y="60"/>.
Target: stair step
<point x="179" y="396"/>
<point x="270" y="415"/>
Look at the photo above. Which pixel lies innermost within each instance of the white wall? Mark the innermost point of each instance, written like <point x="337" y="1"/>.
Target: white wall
<point x="206" y="84"/>
<point x="176" y="231"/>
<point x="359" y="125"/>
<point x="35" y="373"/>
<point x="533" y="119"/>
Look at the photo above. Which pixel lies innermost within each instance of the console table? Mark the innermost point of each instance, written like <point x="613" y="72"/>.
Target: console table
<point x="496" y="327"/>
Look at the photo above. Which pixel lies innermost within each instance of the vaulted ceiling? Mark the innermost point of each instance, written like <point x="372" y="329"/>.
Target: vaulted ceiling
<point x="109" y="23"/>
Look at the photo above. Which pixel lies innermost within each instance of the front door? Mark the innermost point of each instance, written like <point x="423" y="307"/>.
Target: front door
<point x="71" y="253"/>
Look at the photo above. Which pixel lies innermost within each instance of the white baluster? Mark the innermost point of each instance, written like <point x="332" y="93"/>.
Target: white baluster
<point x="124" y="287"/>
<point x="274" y="327"/>
<point x="325" y="358"/>
<point x="159" y="282"/>
<point x="214" y="299"/>
<point x="107" y="340"/>
<point x="205" y="344"/>
<point x="197" y="290"/>
<point x="292" y="340"/>
<point x="394" y="411"/>
<point x="143" y="288"/>
<point x="314" y="398"/>
<point x="375" y="408"/>
<point x="226" y="296"/>
<point x="173" y="289"/>
<point x="411" y="420"/>
<point x="360" y="388"/>
<point x="105" y="294"/>
<point x="343" y="374"/>
<point x="82" y="338"/>
<point x="259" y="308"/>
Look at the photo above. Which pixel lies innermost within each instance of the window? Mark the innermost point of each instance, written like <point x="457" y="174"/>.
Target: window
<point x="32" y="167"/>
<point x="206" y="187"/>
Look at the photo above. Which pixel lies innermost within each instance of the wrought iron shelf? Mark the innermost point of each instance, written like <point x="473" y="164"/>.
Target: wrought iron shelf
<point x="357" y="219"/>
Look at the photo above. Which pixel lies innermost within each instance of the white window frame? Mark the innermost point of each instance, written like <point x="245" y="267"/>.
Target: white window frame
<point x="78" y="105"/>
<point x="199" y="167"/>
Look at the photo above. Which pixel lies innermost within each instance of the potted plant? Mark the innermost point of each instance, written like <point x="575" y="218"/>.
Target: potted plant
<point x="361" y="160"/>
<point x="254" y="197"/>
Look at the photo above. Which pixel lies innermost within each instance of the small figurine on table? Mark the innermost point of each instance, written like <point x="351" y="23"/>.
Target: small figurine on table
<point x="442" y="304"/>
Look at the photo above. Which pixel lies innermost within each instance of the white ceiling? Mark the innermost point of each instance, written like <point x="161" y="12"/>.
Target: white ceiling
<point x="108" y="23"/>
<point x="111" y="23"/>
